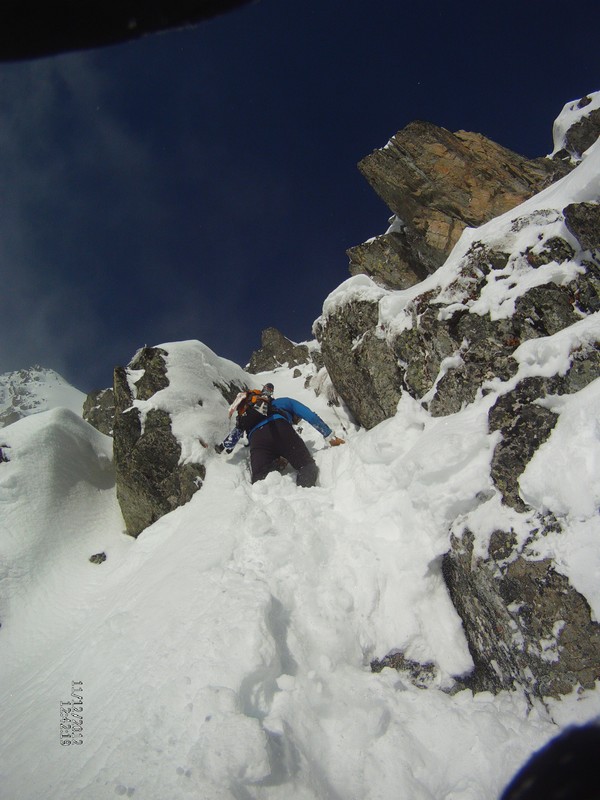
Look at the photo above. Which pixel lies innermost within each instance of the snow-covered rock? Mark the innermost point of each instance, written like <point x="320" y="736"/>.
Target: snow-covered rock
<point x="577" y="127"/>
<point x="508" y="324"/>
<point x="170" y="404"/>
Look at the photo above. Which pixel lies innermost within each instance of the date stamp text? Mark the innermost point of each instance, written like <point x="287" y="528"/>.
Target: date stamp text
<point x="71" y="716"/>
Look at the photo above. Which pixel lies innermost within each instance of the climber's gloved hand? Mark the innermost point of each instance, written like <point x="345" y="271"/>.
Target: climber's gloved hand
<point x="335" y="441"/>
<point x="219" y="448"/>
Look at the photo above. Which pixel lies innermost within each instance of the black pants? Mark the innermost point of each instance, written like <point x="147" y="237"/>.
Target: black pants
<point x="278" y="438"/>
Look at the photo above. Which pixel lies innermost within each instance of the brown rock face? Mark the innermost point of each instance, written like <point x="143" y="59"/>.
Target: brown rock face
<point x="438" y="183"/>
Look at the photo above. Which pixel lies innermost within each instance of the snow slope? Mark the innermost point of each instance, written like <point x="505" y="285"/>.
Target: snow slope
<point x="225" y="652"/>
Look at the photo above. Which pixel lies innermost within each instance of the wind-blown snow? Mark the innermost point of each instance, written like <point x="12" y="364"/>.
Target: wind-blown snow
<point x="225" y="652"/>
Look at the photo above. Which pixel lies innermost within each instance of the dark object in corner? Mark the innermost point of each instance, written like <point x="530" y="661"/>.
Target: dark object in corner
<point x="564" y="769"/>
<point x="32" y="29"/>
<point x="98" y="558"/>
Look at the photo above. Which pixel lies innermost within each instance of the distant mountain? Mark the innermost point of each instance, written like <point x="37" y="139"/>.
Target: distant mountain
<point x="29" y="391"/>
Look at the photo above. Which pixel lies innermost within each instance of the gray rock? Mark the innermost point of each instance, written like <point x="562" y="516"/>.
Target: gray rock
<point x="150" y="480"/>
<point x="583" y="220"/>
<point x="526" y="626"/>
<point x="525" y="424"/>
<point x="526" y="427"/>
<point x="229" y="391"/>
<point x="421" y="675"/>
<point x="275" y="351"/>
<point x="370" y="371"/>
<point x="99" y="410"/>
<point x="362" y="368"/>
<point x="154" y="377"/>
<point x="582" y="134"/>
<point x="388" y="260"/>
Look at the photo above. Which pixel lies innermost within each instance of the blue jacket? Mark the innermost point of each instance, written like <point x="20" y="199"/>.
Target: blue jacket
<point x="286" y="408"/>
<point x="283" y="408"/>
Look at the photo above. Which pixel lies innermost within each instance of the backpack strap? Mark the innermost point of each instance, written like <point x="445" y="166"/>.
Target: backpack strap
<point x="255" y="408"/>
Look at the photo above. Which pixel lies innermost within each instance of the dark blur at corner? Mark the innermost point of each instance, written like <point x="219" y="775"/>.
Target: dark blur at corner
<point x="30" y="29"/>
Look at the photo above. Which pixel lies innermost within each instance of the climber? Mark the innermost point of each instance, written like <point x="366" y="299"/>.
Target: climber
<point x="241" y="405"/>
<point x="268" y="425"/>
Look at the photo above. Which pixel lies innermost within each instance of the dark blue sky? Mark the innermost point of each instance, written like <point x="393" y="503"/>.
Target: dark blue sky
<point x="202" y="184"/>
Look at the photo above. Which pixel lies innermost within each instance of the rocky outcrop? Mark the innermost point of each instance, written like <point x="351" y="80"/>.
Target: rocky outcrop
<point x="583" y="221"/>
<point x="437" y="183"/>
<point x="277" y="350"/>
<point x="581" y="134"/>
<point x="526" y="626"/>
<point x="151" y="481"/>
<point x="389" y="260"/>
<point x="457" y="340"/>
<point x="525" y="423"/>
<point x="99" y="410"/>
<point x="170" y="408"/>
<point x="444" y="357"/>
<point x="362" y="368"/>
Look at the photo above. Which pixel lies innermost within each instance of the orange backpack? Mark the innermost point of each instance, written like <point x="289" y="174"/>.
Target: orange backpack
<point x="252" y="407"/>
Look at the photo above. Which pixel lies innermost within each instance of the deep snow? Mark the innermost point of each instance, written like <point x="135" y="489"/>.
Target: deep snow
<point x="225" y="653"/>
